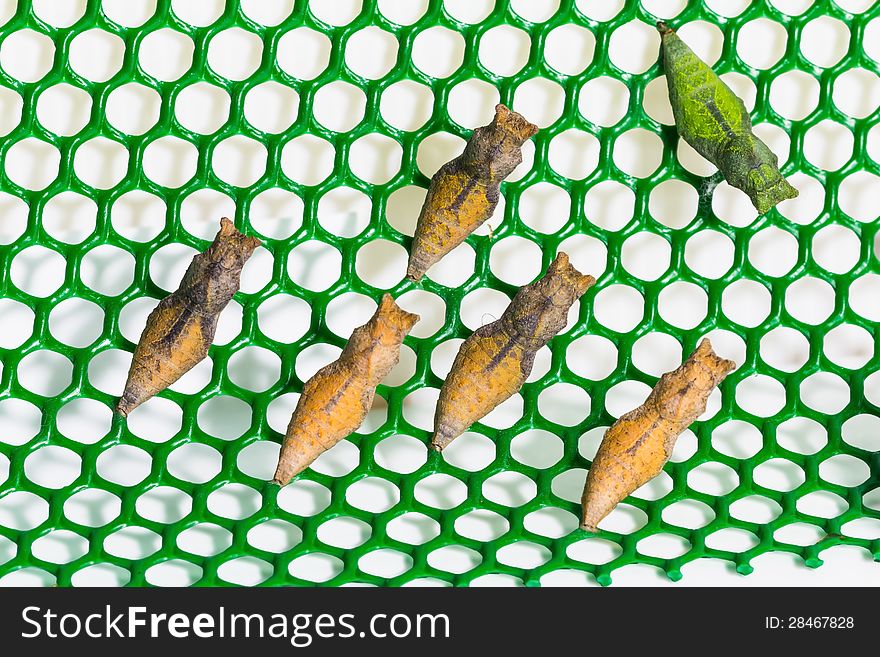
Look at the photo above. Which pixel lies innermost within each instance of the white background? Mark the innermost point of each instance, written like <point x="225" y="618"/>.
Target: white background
<point x="240" y="161"/>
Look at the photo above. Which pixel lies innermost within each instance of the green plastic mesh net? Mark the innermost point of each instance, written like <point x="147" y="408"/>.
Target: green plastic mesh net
<point x="784" y="459"/>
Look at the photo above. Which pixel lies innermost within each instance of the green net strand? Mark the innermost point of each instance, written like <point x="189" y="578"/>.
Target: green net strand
<point x="550" y="490"/>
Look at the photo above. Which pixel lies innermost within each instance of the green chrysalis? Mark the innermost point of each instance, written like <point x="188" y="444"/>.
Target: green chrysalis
<point x="712" y="119"/>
